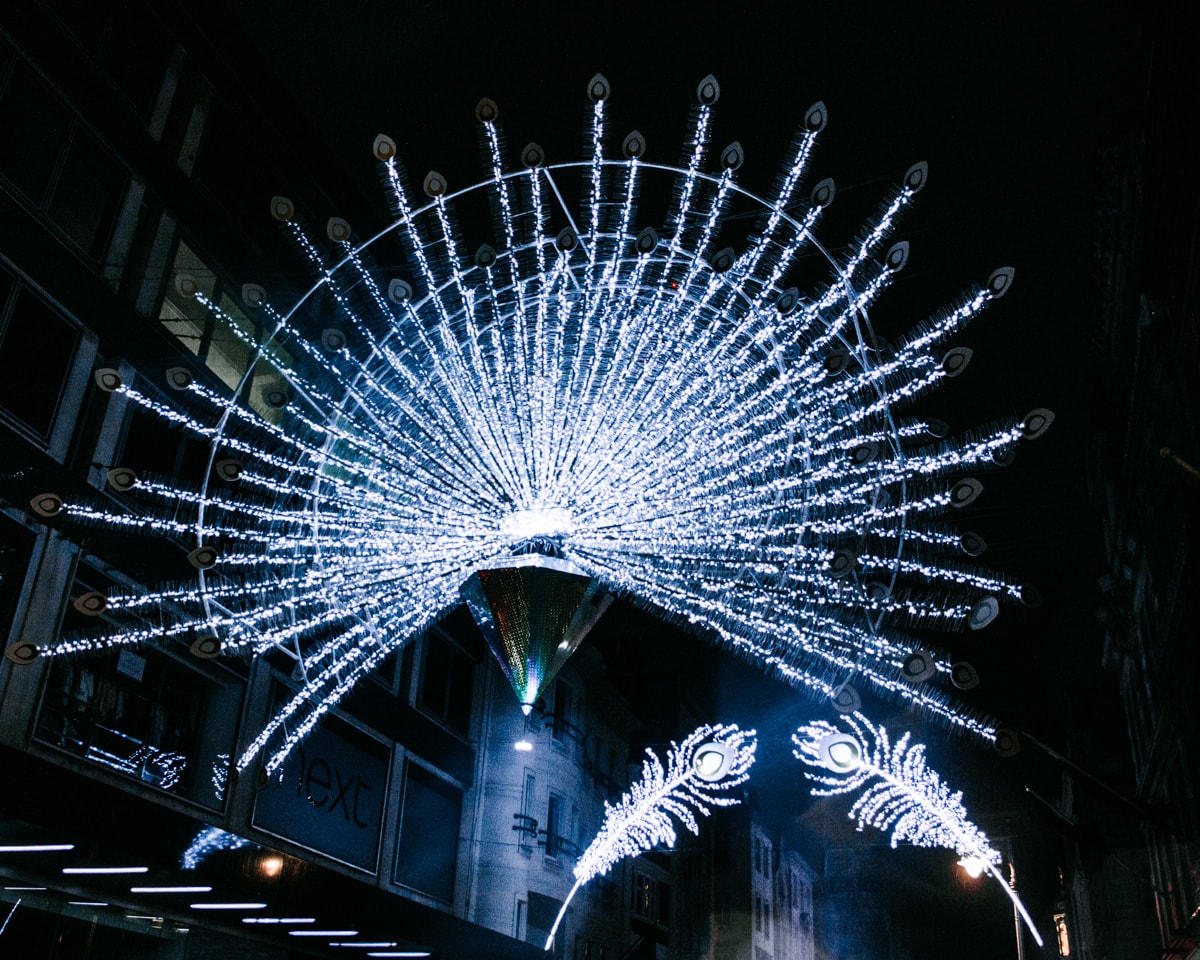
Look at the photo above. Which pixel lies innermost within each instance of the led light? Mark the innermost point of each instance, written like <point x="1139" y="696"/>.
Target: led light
<point x="365" y="943"/>
<point x="170" y="889"/>
<point x="899" y="792"/>
<point x="24" y="888"/>
<point x="974" y="866"/>
<point x="104" y="870"/>
<point x="322" y="933"/>
<point x="401" y="953"/>
<point x="642" y="819"/>
<point x="665" y="414"/>
<point x="271" y="866"/>
<point x="538" y="522"/>
<point x="86" y="903"/>
<point x="279" y="919"/>
<point x="228" y="906"/>
<point x="35" y="847"/>
<point x="208" y="841"/>
<point x="524" y="746"/>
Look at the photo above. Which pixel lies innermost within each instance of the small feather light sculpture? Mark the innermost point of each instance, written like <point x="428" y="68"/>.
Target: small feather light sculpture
<point x="900" y="792"/>
<point x="210" y="840"/>
<point x="699" y="773"/>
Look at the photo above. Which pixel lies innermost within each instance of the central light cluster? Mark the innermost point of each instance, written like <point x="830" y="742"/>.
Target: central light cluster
<point x="655" y="407"/>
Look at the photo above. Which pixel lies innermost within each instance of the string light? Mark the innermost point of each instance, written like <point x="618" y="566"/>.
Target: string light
<point x="670" y="419"/>
<point x="209" y="841"/>
<point x="899" y="792"/>
<point x="699" y="772"/>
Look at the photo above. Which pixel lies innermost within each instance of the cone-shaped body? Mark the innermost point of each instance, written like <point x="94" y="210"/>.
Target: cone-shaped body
<point x="533" y="614"/>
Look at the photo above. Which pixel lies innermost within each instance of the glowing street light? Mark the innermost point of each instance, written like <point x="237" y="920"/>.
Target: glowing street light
<point x="974" y="866"/>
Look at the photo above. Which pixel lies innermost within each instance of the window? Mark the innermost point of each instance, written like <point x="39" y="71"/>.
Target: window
<point x="554" y="825"/>
<point x="144" y="715"/>
<point x="16" y="545"/>
<point x="427" y="848"/>
<point x="385" y="674"/>
<point x="126" y="42"/>
<point x="593" y="951"/>
<point x="645" y="897"/>
<point x="37" y="128"/>
<point x="542" y="911"/>
<point x="37" y="349"/>
<point x="55" y="164"/>
<point x="87" y="196"/>
<point x="762" y="854"/>
<point x="1062" y="935"/>
<point x="238" y="175"/>
<point x="562" y="712"/>
<point x="528" y="798"/>
<point x="225" y="343"/>
<point x="447" y="683"/>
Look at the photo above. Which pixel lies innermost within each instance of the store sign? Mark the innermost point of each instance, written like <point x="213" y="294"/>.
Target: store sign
<point x="329" y="798"/>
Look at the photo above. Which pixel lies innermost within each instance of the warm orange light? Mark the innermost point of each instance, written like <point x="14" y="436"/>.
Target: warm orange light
<point x="1064" y="938"/>
<point x="974" y="866"/>
<point x="271" y="866"/>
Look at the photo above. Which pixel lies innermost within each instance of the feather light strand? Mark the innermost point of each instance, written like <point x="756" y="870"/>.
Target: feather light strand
<point x="900" y="792"/>
<point x="699" y="774"/>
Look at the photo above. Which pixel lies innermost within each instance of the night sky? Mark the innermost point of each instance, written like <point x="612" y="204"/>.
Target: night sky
<point x="1010" y="104"/>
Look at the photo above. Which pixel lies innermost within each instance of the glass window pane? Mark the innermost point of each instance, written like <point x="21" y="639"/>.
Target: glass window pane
<point x="562" y="711"/>
<point x="35" y="126"/>
<point x="428" y="844"/>
<point x="437" y="676"/>
<point x="37" y="348"/>
<point x="267" y="383"/>
<point x="447" y="684"/>
<point x="184" y="316"/>
<point x="134" y="54"/>
<point x="140" y="714"/>
<point x="228" y="357"/>
<point x="462" y="687"/>
<point x="16" y="543"/>
<point x="553" y="825"/>
<point x="88" y="195"/>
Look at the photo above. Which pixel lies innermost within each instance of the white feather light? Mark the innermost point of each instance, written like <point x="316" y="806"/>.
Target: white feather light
<point x="699" y="773"/>
<point x="900" y="792"/>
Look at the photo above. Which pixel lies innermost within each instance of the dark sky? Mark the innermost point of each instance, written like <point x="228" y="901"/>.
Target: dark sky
<point x="1011" y="105"/>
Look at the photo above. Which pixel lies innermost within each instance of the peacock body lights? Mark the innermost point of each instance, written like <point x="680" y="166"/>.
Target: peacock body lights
<point x="653" y="408"/>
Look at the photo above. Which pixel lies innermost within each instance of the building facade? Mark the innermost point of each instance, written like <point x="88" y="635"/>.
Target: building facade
<point x="1146" y="489"/>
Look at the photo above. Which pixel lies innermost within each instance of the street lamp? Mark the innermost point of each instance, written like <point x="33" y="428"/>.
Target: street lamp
<point x="974" y="867"/>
